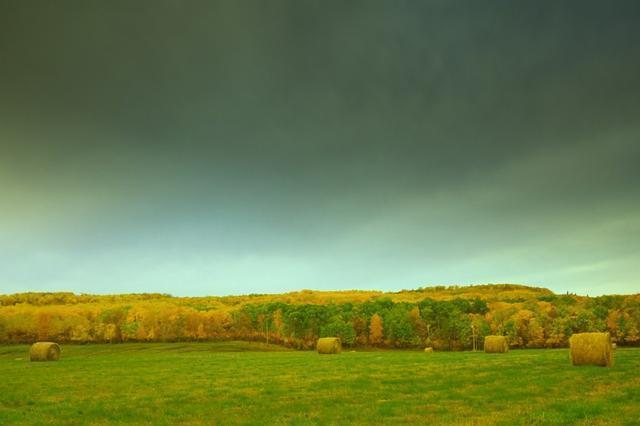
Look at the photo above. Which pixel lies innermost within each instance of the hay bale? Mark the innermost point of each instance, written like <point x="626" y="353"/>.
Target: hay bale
<point x="428" y="350"/>
<point x="329" y="345"/>
<point x="44" y="351"/>
<point x="614" y="346"/>
<point x="591" y="349"/>
<point x="496" y="344"/>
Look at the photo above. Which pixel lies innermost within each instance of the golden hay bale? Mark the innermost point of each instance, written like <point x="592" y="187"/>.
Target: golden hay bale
<point x="44" y="351"/>
<point x="591" y="349"/>
<point x="496" y="344"/>
<point x="329" y="345"/>
<point x="428" y="350"/>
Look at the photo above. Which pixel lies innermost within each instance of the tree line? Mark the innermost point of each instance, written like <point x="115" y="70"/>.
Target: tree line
<point x="537" y="319"/>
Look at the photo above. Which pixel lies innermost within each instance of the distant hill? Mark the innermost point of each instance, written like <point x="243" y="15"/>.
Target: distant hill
<point x="489" y="292"/>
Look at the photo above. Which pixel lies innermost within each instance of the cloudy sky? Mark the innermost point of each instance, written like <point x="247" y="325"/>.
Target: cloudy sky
<point x="210" y="148"/>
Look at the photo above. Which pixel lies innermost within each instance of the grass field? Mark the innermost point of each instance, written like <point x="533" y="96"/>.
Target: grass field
<point x="236" y="382"/>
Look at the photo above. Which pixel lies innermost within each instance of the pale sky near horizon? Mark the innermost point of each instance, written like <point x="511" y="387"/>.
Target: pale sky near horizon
<point x="225" y="147"/>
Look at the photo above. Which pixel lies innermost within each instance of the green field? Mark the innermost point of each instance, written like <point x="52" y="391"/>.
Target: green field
<point x="236" y="382"/>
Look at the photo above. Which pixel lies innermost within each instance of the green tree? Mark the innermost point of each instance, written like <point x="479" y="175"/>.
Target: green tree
<point x="337" y="327"/>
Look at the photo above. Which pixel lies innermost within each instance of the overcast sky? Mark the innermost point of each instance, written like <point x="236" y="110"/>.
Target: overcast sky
<point x="210" y="148"/>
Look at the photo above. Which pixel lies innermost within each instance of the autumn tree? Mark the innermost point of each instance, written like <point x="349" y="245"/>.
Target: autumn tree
<point x="420" y="327"/>
<point x="44" y="325"/>
<point x="278" y="325"/>
<point x="361" y="328"/>
<point x="375" y="330"/>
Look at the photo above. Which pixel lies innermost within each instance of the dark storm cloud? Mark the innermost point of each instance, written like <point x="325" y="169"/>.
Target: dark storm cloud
<point x="260" y="146"/>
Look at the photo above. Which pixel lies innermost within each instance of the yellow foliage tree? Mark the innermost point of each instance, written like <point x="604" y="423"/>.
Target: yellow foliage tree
<point x="375" y="330"/>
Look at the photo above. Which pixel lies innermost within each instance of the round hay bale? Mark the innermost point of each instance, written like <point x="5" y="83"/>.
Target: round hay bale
<point x="428" y="350"/>
<point x="496" y="344"/>
<point x="329" y="345"/>
<point x="591" y="349"/>
<point x="44" y="351"/>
